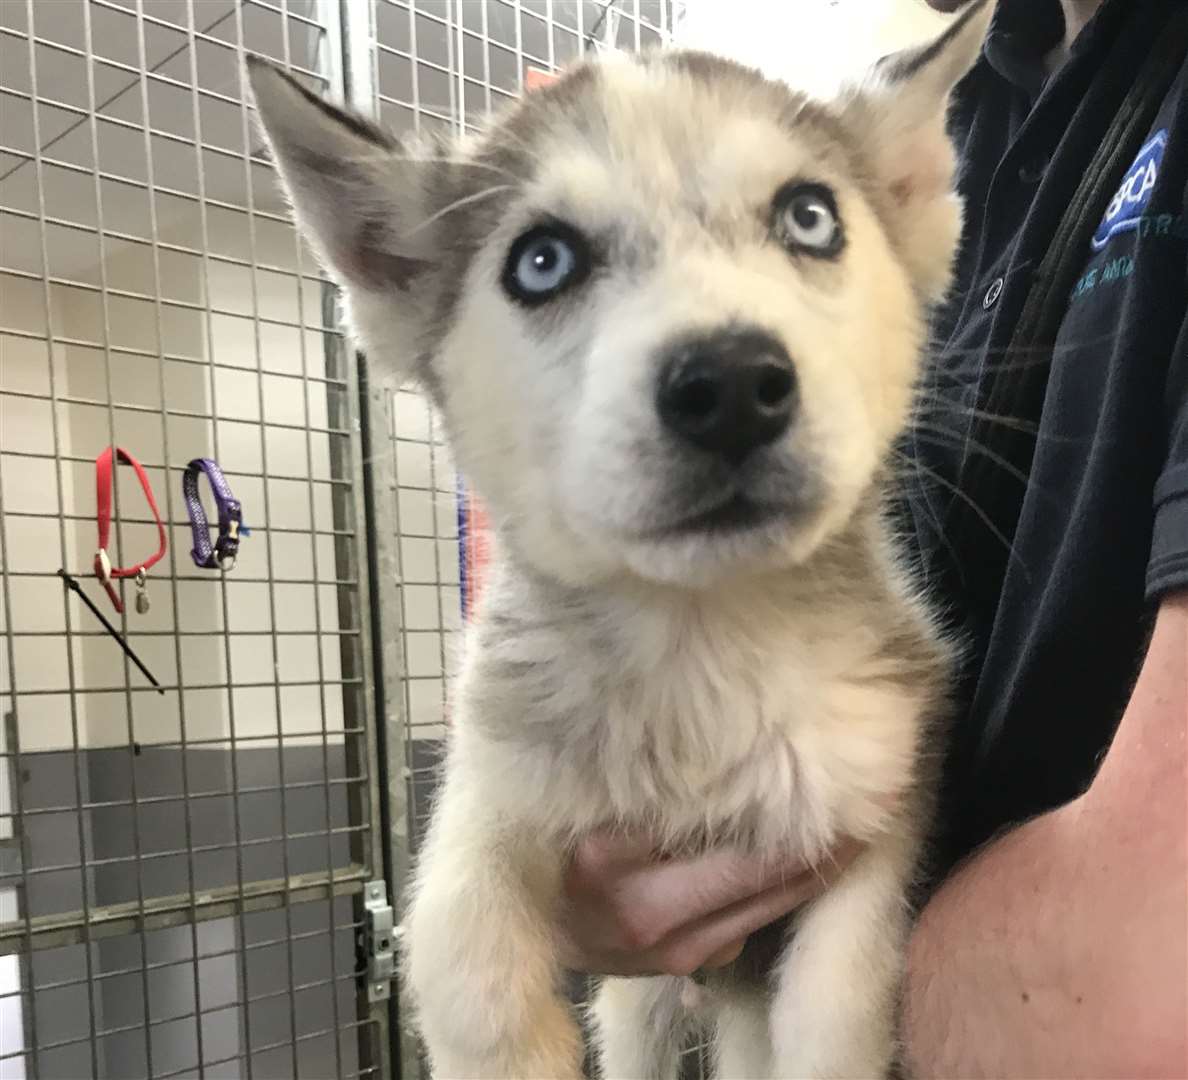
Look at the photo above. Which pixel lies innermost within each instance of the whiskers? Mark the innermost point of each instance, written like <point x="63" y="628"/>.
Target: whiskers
<point x="458" y="204"/>
<point x="914" y="463"/>
<point x="946" y="421"/>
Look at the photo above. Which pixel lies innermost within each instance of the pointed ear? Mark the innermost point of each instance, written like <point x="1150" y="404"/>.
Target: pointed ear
<point x="898" y="115"/>
<point x="356" y="195"/>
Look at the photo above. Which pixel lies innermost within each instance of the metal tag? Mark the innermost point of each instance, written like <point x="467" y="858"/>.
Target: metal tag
<point x="142" y="600"/>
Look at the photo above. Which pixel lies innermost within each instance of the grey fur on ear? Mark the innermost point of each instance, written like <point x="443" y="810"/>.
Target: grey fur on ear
<point x="898" y="117"/>
<point x="944" y="60"/>
<point x="355" y="193"/>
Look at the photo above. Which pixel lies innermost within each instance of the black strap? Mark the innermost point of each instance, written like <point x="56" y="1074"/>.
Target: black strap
<point x="1047" y="301"/>
<point x="1017" y="390"/>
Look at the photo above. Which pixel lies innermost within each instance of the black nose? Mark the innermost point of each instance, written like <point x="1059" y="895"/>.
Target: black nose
<point x="728" y="393"/>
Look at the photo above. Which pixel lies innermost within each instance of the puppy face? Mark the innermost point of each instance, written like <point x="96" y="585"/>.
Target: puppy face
<point x="670" y="311"/>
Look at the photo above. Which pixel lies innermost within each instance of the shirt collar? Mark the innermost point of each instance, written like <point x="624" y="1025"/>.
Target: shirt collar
<point x="1022" y="33"/>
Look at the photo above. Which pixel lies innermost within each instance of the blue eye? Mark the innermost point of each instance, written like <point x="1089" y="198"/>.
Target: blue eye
<point x="805" y="219"/>
<point x="545" y="265"/>
<point x="544" y="261"/>
<point x="809" y="222"/>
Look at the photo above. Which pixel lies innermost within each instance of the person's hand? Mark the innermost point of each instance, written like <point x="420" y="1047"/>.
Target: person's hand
<point x="625" y="912"/>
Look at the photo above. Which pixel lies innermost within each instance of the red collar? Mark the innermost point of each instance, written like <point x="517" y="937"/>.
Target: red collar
<point x="104" y="571"/>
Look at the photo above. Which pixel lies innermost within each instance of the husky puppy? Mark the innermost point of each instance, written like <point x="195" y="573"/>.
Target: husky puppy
<point x="672" y="314"/>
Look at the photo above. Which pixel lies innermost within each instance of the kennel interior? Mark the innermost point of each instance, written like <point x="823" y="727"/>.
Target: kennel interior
<point x="188" y="878"/>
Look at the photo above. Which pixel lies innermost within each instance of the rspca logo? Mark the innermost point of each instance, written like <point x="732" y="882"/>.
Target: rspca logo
<point x="1127" y="206"/>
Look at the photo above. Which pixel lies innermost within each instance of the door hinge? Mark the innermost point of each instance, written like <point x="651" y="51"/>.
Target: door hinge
<point x="379" y="941"/>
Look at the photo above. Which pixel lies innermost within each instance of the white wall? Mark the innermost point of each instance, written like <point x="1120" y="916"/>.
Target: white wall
<point x="811" y="44"/>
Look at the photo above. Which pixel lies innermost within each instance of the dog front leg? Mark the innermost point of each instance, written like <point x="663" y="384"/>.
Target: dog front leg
<point x="742" y="1046"/>
<point x="838" y="981"/>
<point x="640" y="1025"/>
<point x="480" y="951"/>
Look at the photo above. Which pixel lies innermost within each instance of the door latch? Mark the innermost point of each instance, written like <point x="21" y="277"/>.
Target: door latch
<point x="379" y="941"/>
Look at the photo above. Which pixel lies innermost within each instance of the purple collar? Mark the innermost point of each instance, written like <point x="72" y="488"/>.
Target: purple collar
<point x="222" y="553"/>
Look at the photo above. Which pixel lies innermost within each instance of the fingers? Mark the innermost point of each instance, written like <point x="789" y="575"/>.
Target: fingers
<point x="705" y="942"/>
<point x="726" y="956"/>
<point x="692" y="948"/>
<point x="669" y="895"/>
<point x="653" y="899"/>
<point x="605" y="848"/>
<point x="629" y="914"/>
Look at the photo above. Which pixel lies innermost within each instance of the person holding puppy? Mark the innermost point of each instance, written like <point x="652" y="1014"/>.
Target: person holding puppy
<point x="1049" y="503"/>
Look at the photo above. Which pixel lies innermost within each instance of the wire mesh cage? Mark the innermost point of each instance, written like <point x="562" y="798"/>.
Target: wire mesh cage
<point x="182" y="879"/>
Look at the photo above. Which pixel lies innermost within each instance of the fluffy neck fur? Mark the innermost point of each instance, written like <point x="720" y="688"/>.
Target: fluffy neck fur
<point x="778" y="711"/>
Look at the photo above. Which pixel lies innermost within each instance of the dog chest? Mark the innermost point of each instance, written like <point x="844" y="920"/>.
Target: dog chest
<point x="704" y="731"/>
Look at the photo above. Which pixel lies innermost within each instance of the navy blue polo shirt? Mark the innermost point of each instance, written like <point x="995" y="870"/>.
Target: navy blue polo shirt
<point x="1051" y="569"/>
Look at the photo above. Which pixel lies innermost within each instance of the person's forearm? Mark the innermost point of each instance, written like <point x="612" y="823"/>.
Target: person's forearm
<point x="1061" y="949"/>
<point x="1045" y="958"/>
